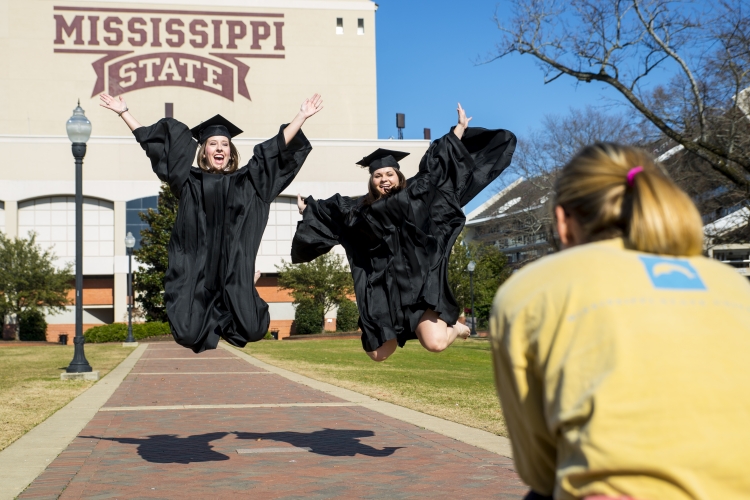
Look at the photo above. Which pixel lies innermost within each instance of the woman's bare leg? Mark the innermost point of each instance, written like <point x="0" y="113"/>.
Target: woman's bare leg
<point x="385" y="350"/>
<point x="435" y="335"/>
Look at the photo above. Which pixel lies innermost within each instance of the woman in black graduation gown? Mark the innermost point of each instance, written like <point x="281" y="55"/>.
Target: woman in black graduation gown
<point x="398" y="237"/>
<point x="209" y="286"/>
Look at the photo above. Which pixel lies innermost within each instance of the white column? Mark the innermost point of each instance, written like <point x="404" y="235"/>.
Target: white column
<point x="121" y="265"/>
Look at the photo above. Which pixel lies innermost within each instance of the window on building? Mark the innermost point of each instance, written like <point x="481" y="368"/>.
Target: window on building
<point x="282" y="222"/>
<point x="133" y="222"/>
<point x="339" y="25"/>
<point x="360" y="26"/>
<point x="53" y="219"/>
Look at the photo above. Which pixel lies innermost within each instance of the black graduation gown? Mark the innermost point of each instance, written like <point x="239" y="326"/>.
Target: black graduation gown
<point x="208" y="287"/>
<point x="398" y="247"/>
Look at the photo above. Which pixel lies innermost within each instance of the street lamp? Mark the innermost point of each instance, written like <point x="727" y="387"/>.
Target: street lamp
<point x="472" y="265"/>
<point x="79" y="131"/>
<point x="129" y="244"/>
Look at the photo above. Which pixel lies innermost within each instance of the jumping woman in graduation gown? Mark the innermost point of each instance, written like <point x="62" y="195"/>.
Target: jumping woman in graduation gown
<point x="209" y="286"/>
<point x="398" y="237"/>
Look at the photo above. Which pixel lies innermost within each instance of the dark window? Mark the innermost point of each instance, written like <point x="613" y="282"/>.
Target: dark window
<point x="133" y="222"/>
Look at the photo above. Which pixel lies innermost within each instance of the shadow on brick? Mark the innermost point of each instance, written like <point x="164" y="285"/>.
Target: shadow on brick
<point x="170" y="449"/>
<point x="329" y="442"/>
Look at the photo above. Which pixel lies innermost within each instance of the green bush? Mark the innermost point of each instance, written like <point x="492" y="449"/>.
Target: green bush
<point x="308" y="317"/>
<point x="347" y="319"/>
<point x="118" y="332"/>
<point x="32" y="325"/>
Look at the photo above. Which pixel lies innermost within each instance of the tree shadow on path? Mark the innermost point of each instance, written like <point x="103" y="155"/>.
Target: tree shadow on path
<point x="329" y="442"/>
<point x="170" y="449"/>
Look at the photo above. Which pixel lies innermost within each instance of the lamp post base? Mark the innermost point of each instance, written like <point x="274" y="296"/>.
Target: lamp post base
<point x="80" y="376"/>
<point x="79" y="364"/>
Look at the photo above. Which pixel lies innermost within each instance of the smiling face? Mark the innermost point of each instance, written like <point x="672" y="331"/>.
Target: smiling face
<point x="217" y="152"/>
<point x="384" y="179"/>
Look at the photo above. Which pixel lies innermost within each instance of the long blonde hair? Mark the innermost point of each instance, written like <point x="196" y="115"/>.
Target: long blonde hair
<point x="650" y="212"/>
<point x="232" y="165"/>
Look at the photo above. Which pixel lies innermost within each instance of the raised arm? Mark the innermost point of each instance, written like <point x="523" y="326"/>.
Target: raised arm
<point x="277" y="161"/>
<point x="306" y="110"/>
<point x="465" y="160"/>
<point x="119" y="106"/>
<point x="168" y="144"/>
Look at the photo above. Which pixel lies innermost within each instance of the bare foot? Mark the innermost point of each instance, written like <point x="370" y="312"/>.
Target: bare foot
<point x="462" y="331"/>
<point x="257" y="276"/>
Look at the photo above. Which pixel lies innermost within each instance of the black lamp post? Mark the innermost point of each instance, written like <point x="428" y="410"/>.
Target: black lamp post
<point x="472" y="265"/>
<point x="79" y="131"/>
<point x="129" y="244"/>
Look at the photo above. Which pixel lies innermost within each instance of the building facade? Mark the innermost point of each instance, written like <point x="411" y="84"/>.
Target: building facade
<point x="517" y="220"/>
<point x="253" y="61"/>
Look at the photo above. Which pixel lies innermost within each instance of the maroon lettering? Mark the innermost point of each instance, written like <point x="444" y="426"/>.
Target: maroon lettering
<point x="111" y="26"/>
<point x="195" y="26"/>
<point x="75" y="27"/>
<point x="261" y="31"/>
<point x="279" y="37"/>
<point x="155" y="22"/>
<point x="173" y="28"/>
<point x="135" y="30"/>
<point x="237" y="30"/>
<point x="217" y="34"/>
<point x="93" y="30"/>
<point x="171" y="69"/>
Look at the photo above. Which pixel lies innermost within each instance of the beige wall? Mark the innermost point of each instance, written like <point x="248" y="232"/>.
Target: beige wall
<point x="39" y="87"/>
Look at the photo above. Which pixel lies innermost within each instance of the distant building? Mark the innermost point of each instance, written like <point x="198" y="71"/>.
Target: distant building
<point x="517" y="220"/>
<point x="728" y="239"/>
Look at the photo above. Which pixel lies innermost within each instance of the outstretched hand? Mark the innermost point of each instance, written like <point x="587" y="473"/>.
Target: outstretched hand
<point x="311" y="106"/>
<point x="301" y="205"/>
<point x="463" y="122"/>
<point x="116" y="104"/>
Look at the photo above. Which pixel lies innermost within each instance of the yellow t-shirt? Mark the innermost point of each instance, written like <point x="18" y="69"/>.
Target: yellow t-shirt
<point x="624" y="373"/>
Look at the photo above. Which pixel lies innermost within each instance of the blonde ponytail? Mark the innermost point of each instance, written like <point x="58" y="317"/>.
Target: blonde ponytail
<point x="601" y="190"/>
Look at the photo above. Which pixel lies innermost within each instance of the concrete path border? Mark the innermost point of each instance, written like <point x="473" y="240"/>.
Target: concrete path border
<point x="469" y="435"/>
<point x="26" y="458"/>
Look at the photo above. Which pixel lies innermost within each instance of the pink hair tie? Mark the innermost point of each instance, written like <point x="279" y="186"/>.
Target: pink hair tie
<point x="632" y="173"/>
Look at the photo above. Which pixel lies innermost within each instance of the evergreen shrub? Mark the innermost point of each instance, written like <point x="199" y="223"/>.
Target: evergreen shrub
<point x="308" y="317"/>
<point x="32" y="325"/>
<point x="347" y="318"/>
<point x="118" y="332"/>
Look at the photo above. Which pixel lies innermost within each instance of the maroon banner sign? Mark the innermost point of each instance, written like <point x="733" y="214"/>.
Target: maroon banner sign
<point x="171" y="69"/>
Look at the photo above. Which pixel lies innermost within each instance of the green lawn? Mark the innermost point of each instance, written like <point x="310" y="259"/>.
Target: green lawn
<point x="456" y="384"/>
<point x="30" y="385"/>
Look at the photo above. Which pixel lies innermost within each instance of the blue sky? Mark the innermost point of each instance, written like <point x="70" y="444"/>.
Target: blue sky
<point x="426" y="62"/>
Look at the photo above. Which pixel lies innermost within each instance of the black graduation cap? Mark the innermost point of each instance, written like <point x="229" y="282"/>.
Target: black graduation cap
<point x="382" y="158"/>
<point x="218" y="125"/>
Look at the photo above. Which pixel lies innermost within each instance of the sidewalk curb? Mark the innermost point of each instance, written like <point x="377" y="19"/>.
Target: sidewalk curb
<point x="26" y="458"/>
<point x="469" y="435"/>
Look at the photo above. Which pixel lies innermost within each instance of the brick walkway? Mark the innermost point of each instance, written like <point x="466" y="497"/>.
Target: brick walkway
<point x="257" y="435"/>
